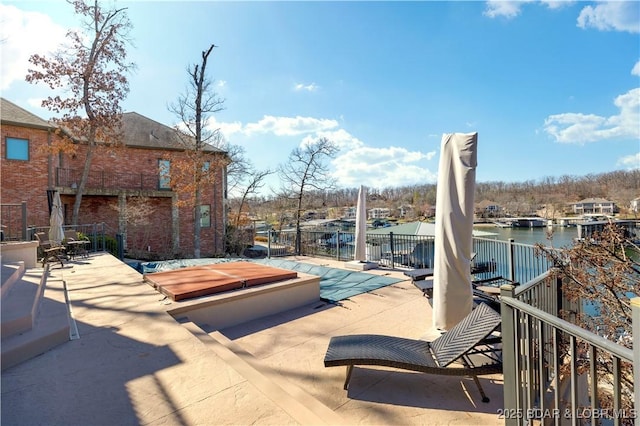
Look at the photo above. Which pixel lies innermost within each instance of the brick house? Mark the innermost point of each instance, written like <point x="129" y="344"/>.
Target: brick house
<point x="128" y="187"/>
<point x="23" y="169"/>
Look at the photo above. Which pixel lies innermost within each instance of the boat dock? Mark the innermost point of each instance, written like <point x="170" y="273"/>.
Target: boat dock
<point x="631" y="227"/>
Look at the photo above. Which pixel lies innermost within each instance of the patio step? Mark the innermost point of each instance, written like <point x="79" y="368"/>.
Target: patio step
<point x="11" y="272"/>
<point x="20" y="302"/>
<point x="300" y="405"/>
<point x="34" y="315"/>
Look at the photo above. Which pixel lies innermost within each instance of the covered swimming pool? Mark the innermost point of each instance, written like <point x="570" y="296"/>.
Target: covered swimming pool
<point x="335" y="284"/>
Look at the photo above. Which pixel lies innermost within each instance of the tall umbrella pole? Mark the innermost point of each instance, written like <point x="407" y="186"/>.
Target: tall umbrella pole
<point x="452" y="291"/>
<point x="56" y="220"/>
<point x="361" y="226"/>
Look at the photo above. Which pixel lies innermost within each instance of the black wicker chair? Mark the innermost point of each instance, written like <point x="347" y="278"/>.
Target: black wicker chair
<point x="471" y="339"/>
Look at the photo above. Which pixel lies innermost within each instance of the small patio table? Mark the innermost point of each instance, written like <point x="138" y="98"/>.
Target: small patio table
<point x="77" y="248"/>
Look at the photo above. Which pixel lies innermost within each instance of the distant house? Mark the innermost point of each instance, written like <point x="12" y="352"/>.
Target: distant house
<point x="635" y="205"/>
<point x="349" y="212"/>
<point x="594" y="206"/>
<point x="487" y="208"/>
<point x="405" y="210"/>
<point x="428" y="211"/>
<point x="378" y="213"/>
<point x="129" y="187"/>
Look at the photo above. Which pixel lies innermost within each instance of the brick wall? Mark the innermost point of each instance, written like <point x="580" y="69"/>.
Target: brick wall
<point x="154" y="235"/>
<point x="28" y="181"/>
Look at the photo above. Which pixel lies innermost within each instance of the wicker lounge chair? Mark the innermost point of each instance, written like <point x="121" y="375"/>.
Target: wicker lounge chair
<point x="471" y="339"/>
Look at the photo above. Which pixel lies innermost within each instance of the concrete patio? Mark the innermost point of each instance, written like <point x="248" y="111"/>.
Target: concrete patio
<point x="131" y="363"/>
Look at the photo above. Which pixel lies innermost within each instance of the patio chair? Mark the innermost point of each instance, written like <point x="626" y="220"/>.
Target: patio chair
<point x="471" y="344"/>
<point x="50" y="251"/>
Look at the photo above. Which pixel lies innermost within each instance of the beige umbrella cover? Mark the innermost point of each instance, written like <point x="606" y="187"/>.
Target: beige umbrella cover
<point x="56" y="233"/>
<point x="361" y="226"/>
<point x="452" y="291"/>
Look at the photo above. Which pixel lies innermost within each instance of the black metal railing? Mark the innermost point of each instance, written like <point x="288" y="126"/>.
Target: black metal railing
<point x="550" y="365"/>
<point x="99" y="179"/>
<point x="13" y="222"/>
<point x="95" y="232"/>
<point x="514" y="261"/>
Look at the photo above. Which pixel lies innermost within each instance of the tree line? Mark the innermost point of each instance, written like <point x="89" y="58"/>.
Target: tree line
<point x="620" y="187"/>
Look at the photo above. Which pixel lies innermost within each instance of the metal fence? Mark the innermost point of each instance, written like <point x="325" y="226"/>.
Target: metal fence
<point x="13" y="222"/>
<point x="550" y="374"/>
<point x="550" y="364"/>
<point x="95" y="232"/>
<point x="513" y="261"/>
<point x="409" y="251"/>
<point x="108" y="180"/>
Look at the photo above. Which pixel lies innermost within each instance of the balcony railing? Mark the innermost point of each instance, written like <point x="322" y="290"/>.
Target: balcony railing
<point x="99" y="179"/>
<point x="550" y="364"/>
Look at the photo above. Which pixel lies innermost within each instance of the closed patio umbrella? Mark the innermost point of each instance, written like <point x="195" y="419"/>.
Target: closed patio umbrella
<point x="361" y="226"/>
<point x="452" y="291"/>
<point x="56" y="233"/>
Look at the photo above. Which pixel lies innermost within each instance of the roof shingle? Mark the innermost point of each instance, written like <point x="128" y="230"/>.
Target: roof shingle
<point x="11" y="113"/>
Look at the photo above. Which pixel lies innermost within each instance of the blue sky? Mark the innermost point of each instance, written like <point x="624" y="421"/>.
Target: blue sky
<point x="552" y="88"/>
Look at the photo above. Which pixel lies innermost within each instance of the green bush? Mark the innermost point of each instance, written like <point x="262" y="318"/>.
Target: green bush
<point x="110" y="243"/>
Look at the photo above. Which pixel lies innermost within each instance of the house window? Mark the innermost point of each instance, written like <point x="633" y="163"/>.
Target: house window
<point x="17" y="149"/>
<point x="164" y="171"/>
<point x="205" y="216"/>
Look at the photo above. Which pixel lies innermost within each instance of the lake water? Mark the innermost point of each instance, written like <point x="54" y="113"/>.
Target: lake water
<point x="561" y="236"/>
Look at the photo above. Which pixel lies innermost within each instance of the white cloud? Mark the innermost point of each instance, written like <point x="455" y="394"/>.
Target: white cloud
<point x="636" y="69"/>
<point x="556" y="4"/>
<point x="227" y="129"/>
<point x="289" y="126"/>
<point x="506" y="9"/>
<point x="355" y="164"/>
<point x="23" y="34"/>
<point x="581" y="128"/>
<point x="613" y="15"/>
<point x="35" y="102"/>
<point x="279" y="126"/>
<point x="630" y="162"/>
<point x="604" y="15"/>
<point x="342" y="138"/>
<point x="381" y="167"/>
<point x="308" y="87"/>
<point x="358" y="163"/>
<point x="221" y="83"/>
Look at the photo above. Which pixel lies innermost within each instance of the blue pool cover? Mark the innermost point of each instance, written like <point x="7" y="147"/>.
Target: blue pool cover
<point x="335" y="284"/>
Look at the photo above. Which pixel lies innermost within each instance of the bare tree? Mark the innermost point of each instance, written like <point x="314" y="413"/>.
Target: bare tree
<point x="92" y="70"/>
<point x="306" y="170"/>
<point x="243" y="181"/>
<point x="603" y="272"/>
<point x="191" y="172"/>
<point x="238" y="234"/>
<point x="253" y="182"/>
<point x="136" y="214"/>
<point x="238" y="168"/>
